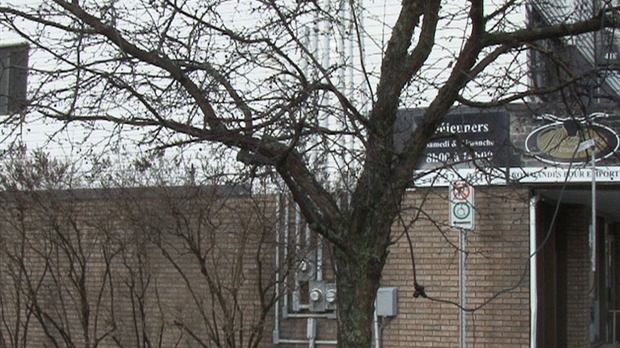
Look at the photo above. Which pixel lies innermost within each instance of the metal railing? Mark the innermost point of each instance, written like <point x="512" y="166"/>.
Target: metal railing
<point x="556" y="12"/>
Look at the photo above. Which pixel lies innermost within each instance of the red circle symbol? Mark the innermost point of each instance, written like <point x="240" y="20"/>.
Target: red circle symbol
<point x="461" y="190"/>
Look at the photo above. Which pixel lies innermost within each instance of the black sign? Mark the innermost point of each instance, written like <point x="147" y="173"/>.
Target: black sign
<point x="472" y="139"/>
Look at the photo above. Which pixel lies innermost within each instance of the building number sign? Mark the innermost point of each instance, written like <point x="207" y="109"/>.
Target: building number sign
<point x="461" y="205"/>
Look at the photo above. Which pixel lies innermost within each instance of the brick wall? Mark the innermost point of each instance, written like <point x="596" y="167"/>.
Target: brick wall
<point x="159" y="291"/>
<point x="497" y="255"/>
<point x="135" y="269"/>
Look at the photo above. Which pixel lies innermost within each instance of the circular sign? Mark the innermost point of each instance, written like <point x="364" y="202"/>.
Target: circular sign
<point x="461" y="191"/>
<point x="461" y="210"/>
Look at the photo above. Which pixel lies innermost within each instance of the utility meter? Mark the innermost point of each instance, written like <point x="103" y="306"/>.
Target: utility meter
<point x="322" y="296"/>
<point x="330" y="296"/>
<point x="316" y="295"/>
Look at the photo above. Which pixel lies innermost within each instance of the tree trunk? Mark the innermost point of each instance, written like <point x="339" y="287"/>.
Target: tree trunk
<point x="358" y="281"/>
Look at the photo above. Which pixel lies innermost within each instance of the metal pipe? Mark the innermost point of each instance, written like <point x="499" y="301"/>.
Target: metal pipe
<point x="327" y="119"/>
<point x="377" y="331"/>
<point x="276" y="329"/>
<point x="310" y="315"/>
<point x="533" y="273"/>
<point x="342" y="141"/>
<point x="463" y="290"/>
<point x="351" y="89"/>
<point x="305" y="341"/>
<point x="308" y="236"/>
<point x="593" y="207"/>
<point x="311" y="332"/>
<point x="295" y="292"/>
<point x="286" y="243"/>
<point x="319" y="259"/>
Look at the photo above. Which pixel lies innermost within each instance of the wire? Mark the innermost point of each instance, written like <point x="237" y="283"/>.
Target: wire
<point x="419" y="290"/>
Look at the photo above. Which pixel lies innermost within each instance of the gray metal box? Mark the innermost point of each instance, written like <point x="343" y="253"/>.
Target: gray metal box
<point x="317" y="300"/>
<point x="387" y="302"/>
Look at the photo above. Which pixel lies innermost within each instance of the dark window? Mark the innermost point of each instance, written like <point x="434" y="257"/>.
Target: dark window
<point x="13" y="76"/>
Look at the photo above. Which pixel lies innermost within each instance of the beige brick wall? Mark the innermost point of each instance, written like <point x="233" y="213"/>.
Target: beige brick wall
<point x="497" y="255"/>
<point x="156" y="248"/>
<point x="136" y="269"/>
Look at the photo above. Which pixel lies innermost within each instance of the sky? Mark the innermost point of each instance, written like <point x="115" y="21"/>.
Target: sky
<point x="333" y="45"/>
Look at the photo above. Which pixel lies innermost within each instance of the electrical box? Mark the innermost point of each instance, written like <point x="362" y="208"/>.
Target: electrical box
<point x="317" y="296"/>
<point x="387" y="302"/>
<point x="306" y="268"/>
<point x="331" y="296"/>
<point x="322" y="296"/>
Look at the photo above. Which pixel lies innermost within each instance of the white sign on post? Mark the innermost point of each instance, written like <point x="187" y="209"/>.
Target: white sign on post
<point x="462" y="205"/>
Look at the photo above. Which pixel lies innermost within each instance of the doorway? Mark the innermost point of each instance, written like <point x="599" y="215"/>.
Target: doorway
<point x="575" y="291"/>
<point x="551" y="277"/>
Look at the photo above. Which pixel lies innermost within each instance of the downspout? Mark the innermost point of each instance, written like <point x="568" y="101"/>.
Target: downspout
<point x="286" y="230"/>
<point x="533" y="274"/>
<point x="377" y="330"/>
<point x="276" y="327"/>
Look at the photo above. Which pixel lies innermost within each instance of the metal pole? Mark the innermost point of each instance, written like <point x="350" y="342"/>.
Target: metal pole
<point x="463" y="290"/>
<point x="593" y="208"/>
<point x="533" y="274"/>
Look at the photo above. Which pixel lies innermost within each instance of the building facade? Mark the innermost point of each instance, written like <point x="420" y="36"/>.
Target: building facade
<point x="506" y="255"/>
<point x="510" y="227"/>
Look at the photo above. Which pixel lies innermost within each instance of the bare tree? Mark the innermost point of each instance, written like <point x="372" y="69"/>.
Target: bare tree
<point x="141" y="267"/>
<point x="244" y="75"/>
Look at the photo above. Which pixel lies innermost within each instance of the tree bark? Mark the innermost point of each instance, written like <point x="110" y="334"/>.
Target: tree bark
<point x="358" y="282"/>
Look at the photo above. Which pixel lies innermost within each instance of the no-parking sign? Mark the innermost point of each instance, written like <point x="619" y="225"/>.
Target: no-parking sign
<point x="462" y="205"/>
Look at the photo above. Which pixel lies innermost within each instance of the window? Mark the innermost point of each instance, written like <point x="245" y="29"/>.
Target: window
<point x="13" y="76"/>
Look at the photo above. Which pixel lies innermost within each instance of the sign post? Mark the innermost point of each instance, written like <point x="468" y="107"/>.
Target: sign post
<point x="462" y="205"/>
<point x="462" y="217"/>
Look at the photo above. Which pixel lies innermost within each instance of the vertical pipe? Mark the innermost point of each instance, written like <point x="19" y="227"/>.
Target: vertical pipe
<point x="326" y="46"/>
<point x="306" y="42"/>
<point x="463" y="289"/>
<point x="319" y="258"/>
<point x="342" y="85"/>
<point x="593" y="208"/>
<point x="308" y="237"/>
<point x="377" y="330"/>
<point x="362" y="50"/>
<point x="326" y="118"/>
<point x="318" y="271"/>
<point x="279" y="223"/>
<point x="533" y="273"/>
<point x="351" y="89"/>
<point x="313" y="70"/>
<point x="298" y="252"/>
<point x="286" y="244"/>
<point x="311" y="332"/>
